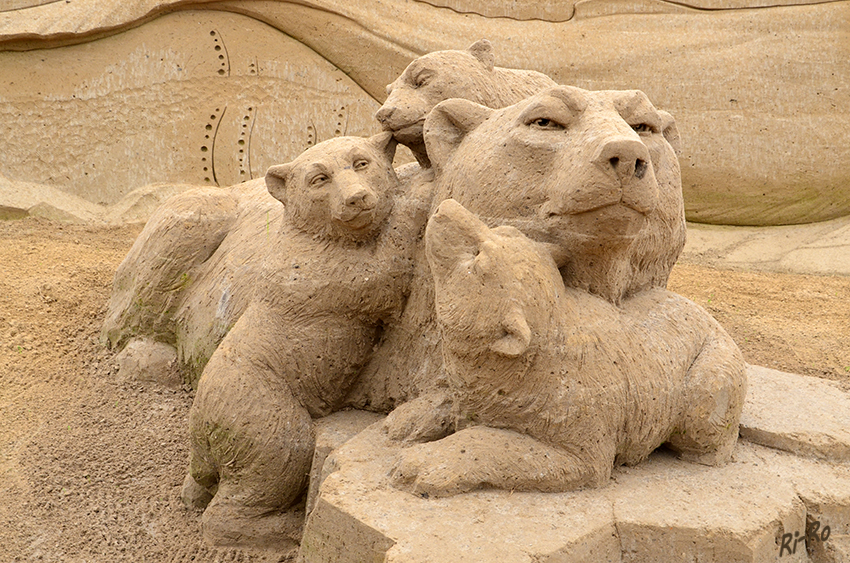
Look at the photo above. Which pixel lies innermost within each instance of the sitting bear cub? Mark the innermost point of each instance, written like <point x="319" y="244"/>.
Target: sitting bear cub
<point x="552" y="386"/>
<point x="337" y="271"/>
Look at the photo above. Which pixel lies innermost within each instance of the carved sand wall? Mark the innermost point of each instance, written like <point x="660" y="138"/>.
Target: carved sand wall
<point x="205" y="98"/>
<point x="759" y="88"/>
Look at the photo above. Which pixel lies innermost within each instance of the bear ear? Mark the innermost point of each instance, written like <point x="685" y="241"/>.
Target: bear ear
<point x="276" y="180"/>
<point x="447" y="125"/>
<point x="386" y="144"/>
<point x="671" y="132"/>
<point x="453" y="235"/>
<point x="517" y="335"/>
<point x="483" y="51"/>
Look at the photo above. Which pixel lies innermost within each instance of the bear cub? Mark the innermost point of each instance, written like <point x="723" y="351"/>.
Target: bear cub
<point x="336" y="272"/>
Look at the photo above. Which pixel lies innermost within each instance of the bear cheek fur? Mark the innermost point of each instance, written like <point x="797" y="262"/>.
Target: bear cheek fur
<point x="657" y="247"/>
<point x="307" y="209"/>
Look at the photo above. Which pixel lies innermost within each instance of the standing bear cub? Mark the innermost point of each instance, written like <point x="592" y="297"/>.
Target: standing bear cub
<point x="441" y="75"/>
<point x="339" y="269"/>
<point x="552" y="386"/>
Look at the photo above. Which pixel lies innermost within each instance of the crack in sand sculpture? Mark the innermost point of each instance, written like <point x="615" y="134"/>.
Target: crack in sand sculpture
<point x="564" y="353"/>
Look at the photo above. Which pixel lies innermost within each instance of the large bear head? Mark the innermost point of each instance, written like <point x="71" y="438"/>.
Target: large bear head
<point x="594" y="175"/>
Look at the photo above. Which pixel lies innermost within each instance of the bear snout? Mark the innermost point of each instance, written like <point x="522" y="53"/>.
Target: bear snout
<point x="628" y="161"/>
<point x="384" y="115"/>
<point x="353" y="201"/>
<point x="627" y="158"/>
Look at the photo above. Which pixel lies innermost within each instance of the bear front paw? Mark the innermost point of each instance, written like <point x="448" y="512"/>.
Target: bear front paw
<point x="428" y="472"/>
<point x="425" y="419"/>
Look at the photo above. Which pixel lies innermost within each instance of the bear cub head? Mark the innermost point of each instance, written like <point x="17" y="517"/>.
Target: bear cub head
<point x="429" y="80"/>
<point x="340" y="189"/>
<point x="494" y="288"/>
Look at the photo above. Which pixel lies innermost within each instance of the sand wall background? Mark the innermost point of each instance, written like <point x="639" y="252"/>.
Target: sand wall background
<point x="99" y="98"/>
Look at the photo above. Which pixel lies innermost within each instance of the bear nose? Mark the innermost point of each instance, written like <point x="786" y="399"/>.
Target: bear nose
<point x="627" y="158"/>
<point x="361" y="198"/>
<point x="383" y="115"/>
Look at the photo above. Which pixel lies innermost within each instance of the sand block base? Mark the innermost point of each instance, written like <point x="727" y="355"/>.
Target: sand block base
<point x="765" y="505"/>
<point x="803" y="415"/>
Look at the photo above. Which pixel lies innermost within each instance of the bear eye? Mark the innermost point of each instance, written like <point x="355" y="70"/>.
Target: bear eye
<point x="545" y="123"/>
<point x="360" y="164"/>
<point x="317" y="180"/>
<point x="421" y="79"/>
<point x="643" y="128"/>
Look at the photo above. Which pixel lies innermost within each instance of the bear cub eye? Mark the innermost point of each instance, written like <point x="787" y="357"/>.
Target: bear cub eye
<point x="317" y="180"/>
<point x="422" y="79"/>
<point x="545" y="123"/>
<point x="360" y="164"/>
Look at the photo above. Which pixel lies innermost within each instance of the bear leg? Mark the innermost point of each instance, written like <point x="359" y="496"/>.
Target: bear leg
<point x="713" y="399"/>
<point x="263" y="465"/>
<point x="482" y="457"/>
<point x="247" y="427"/>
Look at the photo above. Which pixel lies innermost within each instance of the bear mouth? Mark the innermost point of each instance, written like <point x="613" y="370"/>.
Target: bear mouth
<point x="614" y="221"/>
<point x="410" y="132"/>
<point x="358" y="220"/>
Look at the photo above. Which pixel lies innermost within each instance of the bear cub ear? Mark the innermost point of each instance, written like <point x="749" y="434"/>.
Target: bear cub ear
<point x="453" y="235"/>
<point x="483" y="51"/>
<point x="276" y="180"/>
<point x="385" y="144"/>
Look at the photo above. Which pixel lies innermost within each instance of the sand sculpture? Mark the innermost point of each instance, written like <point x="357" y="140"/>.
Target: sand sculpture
<point x="530" y="333"/>
<point x="551" y="387"/>
<point x="476" y="154"/>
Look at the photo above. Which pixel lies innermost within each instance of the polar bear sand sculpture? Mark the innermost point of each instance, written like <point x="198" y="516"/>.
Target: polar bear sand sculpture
<point x="594" y="175"/>
<point x="556" y="385"/>
<point x="442" y="75"/>
<point x="339" y="300"/>
<point x="335" y="274"/>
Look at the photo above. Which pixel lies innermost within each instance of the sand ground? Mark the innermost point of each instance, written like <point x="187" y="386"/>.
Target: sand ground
<point x="91" y="468"/>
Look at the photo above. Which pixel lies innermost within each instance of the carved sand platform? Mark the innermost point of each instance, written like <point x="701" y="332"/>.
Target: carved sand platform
<point x="785" y="496"/>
